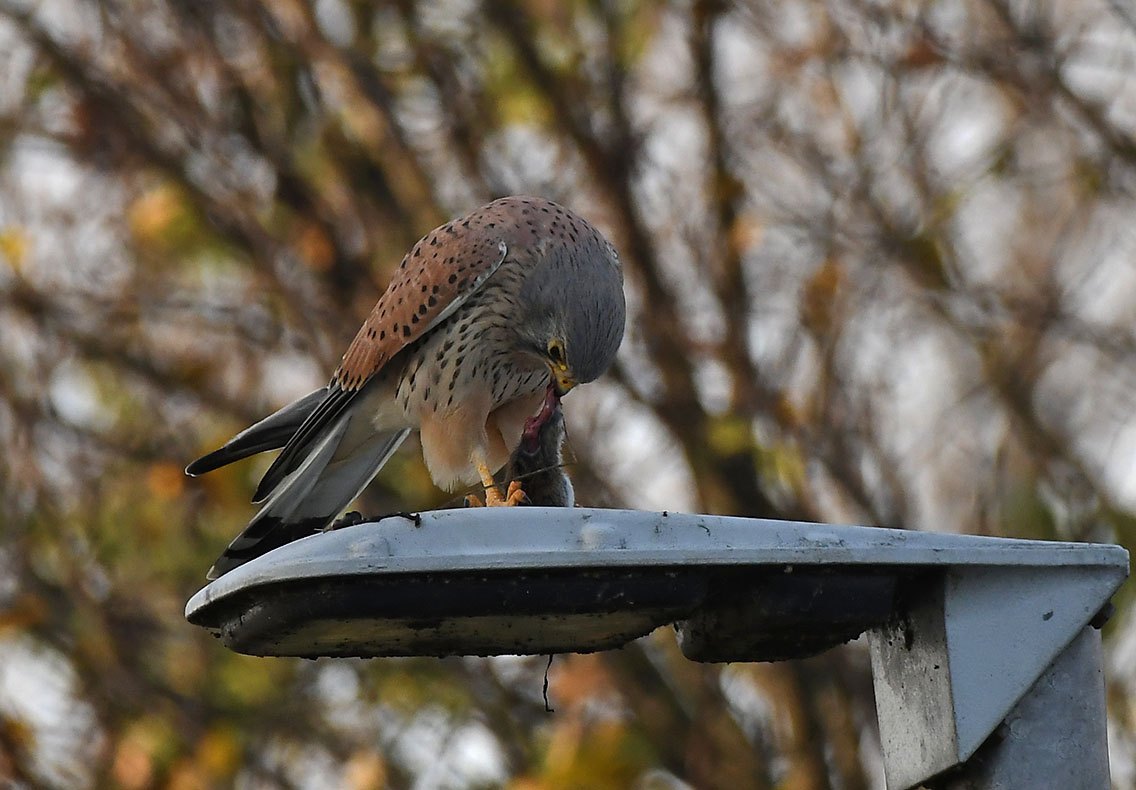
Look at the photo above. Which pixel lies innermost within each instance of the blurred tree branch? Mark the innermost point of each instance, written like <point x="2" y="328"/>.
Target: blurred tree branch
<point x="878" y="268"/>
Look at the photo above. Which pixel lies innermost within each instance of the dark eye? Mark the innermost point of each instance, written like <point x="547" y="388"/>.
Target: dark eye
<point x="556" y="351"/>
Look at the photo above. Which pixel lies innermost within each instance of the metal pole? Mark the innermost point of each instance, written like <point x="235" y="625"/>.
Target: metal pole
<point x="1054" y="737"/>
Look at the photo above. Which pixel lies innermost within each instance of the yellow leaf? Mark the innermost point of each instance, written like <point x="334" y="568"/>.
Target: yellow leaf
<point x="249" y="682"/>
<point x="746" y="233"/>
<point x="314" y="247"/>
<point x="219" y="751"/>
<point x="14" y="245"/>
<point x="133" y="767"/>
<point x="365" y="770"/>
<point x="153" y="213"/>
<point x="729" y="435"/>
<point x="186" y="776"/>
<point x="165" y="480"/>
<point x="789" y="464"/>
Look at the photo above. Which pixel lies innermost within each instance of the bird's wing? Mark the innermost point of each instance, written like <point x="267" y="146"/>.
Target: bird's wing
<point x="443" y="270"/>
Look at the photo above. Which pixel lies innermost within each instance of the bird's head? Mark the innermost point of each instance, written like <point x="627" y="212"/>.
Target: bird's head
<point x="575" y="311"/>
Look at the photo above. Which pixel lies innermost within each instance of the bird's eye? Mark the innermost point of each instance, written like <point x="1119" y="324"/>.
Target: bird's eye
<point x="556" y="351"/>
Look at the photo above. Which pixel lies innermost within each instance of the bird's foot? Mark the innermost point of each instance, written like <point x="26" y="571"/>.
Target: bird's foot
<point x="516" y="495"/>
<point x="493" y="498"/>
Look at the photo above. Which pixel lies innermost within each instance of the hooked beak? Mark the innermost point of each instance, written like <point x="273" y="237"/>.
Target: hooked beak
<point x="562" y="382"/>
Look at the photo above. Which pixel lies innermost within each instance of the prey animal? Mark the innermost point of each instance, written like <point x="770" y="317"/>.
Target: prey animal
<point x="538" y="463"/>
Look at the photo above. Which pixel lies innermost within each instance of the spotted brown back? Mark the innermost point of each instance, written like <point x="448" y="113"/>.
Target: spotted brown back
<point x="442" y="269"/>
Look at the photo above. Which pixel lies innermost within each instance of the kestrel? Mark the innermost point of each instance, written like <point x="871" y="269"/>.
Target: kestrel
<point x="483" y="316"/>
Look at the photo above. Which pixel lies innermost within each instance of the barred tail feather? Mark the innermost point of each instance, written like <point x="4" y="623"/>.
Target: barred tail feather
<point x="310" y="498"/>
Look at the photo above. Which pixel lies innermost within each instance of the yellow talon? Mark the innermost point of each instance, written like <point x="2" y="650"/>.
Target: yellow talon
<point x="493" y="498"/>
<point x="516" y="494"/>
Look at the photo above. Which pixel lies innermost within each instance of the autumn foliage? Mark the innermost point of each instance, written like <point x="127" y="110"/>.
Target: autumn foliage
<point x="879" y="263"/>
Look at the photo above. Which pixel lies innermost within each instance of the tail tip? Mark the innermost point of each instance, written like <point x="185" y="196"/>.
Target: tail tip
<point x="206" y="463"/>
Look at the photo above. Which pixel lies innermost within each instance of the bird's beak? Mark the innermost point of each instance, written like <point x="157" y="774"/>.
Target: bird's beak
<point x="562" y="380"/>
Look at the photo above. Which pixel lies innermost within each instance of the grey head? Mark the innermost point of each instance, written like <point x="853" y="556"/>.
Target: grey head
<point x="573" y="305"/>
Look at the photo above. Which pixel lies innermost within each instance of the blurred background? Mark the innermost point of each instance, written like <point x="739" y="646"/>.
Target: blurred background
<point x="881" y="269"/>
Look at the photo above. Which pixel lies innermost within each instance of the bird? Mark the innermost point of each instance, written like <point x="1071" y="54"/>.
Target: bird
<point x="483" y="317"/>
<point x="537" y="463"/>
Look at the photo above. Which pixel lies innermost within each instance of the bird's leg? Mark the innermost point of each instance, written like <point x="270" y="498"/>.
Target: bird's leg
<point x="492" y="494"/>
